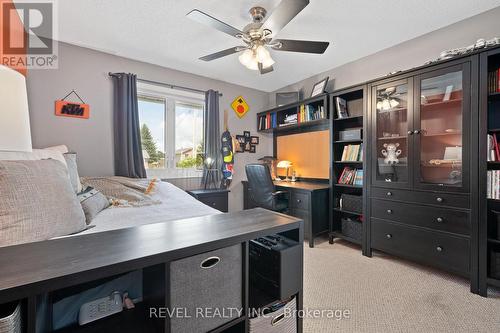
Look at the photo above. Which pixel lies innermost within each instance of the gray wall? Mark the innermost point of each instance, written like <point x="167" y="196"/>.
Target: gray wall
<point x="86" y="71"/>
<point x="406" y="55"/>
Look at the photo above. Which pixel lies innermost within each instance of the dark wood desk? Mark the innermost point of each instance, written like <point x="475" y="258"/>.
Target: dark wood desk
<point x="309" y="201"/>
<point x="34" y="270"/>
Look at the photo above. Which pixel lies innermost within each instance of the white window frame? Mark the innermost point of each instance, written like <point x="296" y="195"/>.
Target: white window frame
<point x="170" y="97"/>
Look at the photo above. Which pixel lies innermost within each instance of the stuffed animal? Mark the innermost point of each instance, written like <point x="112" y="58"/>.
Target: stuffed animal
<point x="391" y="153"/>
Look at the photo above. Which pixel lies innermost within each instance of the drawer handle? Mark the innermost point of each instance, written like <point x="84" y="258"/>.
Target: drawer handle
<point x="389" y="194"/>
<point x="278" y="319"/>
<point x="388" y="236"/>
<point x="209" y="262"/>
<point x="439" y="220"/>
<point x="389" y="211"/>
<point x="439" y="249"/>
<point x="439" y="199"/>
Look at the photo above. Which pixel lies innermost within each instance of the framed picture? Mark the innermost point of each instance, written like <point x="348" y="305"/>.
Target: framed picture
<point x="241" y="140"/>
<point x="319" y="87"/>
<point x="253" y="149"/>
<point x="240" y="148"/>
<point x="254" y="140"/>
<point x="247" y="146"/>
<point x="246" y="134"/>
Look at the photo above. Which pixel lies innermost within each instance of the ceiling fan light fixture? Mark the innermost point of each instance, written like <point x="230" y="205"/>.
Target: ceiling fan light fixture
<point x="268" y="62"/>
<point x="262" y="54"/>
<point x="246" y="57"/>
<point x="253" y="65"/>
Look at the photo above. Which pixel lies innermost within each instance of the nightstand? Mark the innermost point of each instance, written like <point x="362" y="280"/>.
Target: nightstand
<point x="214" y="198"/>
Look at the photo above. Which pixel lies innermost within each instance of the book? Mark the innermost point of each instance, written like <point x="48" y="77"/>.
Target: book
<point x="341" y="108"/>
<point x="494" y="81"/>
<point x="358" y="179"/>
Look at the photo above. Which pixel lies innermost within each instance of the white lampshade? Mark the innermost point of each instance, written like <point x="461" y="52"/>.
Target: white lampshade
<point x="268" y="62"/>
<point x="15" y="133"/>
<point x="262" y="54"/>
<point x="246" y="57"/>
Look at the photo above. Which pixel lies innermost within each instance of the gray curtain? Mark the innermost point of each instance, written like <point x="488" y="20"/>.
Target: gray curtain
<point x="127" y="133"/>
<point x="212" y="136"/>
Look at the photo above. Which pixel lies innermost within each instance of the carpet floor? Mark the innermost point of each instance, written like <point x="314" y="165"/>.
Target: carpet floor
<point x="384" y="294"/>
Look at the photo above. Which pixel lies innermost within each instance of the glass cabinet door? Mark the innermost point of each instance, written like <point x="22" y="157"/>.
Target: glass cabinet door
<point x="439" y="131"/>
<point x="392" y="104"/>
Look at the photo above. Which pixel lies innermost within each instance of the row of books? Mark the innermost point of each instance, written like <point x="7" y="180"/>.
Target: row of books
<point x="493" y="148"/>
<point x="493" y="184"/>
<point x="494" y="81"/>
<point x="309" y="112"/>
<point x="350" y="176"/>
<point x="267" y="121"/>
<point x="352" y="153"/>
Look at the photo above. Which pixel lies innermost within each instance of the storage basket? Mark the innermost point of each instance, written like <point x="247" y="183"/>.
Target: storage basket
<point x="352" y="228"/>
<point x="10" y="318"/>
<point x="282" y="320"/>
<point x="351" y="203"/>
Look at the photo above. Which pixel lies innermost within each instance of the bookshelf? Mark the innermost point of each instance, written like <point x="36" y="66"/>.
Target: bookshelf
<point x="347" y="156"/>
<point x="489" y="216"/>
<point x="308" y="113"/>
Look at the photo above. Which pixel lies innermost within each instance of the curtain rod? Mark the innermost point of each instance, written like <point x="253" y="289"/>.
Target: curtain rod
<point x="171" y="86"/>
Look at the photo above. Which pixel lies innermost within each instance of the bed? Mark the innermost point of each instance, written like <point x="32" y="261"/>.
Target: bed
<point x="175" y="204"/>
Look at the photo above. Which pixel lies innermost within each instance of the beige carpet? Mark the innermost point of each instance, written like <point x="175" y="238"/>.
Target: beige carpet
<point x="385" y="294"/>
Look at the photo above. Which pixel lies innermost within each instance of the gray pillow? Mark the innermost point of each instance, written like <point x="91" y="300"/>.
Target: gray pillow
<point x="37" y="202"/>
<point x="73" y="171"/>
<point x="93" y="202"/>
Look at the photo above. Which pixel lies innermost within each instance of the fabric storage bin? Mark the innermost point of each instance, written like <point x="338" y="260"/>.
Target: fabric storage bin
<point x="352" y="203"/>
<point x="495" y="264"/>
<point x="213" y="281"/>
<point x="282" y="320"/>
<point x="352" y="228"/>
<point x="10" y="318"/>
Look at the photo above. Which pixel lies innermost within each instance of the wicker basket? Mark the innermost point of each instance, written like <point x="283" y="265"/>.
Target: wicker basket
<point x="352" y="203"/>
<point x="352" y="228"/>
<point x="10" y="318"/>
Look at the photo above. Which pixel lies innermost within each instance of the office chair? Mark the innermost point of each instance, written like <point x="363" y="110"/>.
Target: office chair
<point x="262" y="191"/>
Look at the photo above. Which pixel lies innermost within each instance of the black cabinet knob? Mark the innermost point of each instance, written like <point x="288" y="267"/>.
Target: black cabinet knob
<point x="388" y="236"/>
<point x="439" y="249"/>
<point x="389" y="194"/>
<point x="416" y="132"/>
<point x="389" y="211"/>
<point x="299" y="201"/>
<point x="410" y="132"/>
<point x="439" y="220"/>
<point x="439" y="199"/>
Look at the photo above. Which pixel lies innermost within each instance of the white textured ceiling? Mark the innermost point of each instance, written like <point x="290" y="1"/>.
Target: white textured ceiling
<point x="158" y="32"/>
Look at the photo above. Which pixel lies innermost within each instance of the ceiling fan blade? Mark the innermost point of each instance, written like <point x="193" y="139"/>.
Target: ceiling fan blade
<point x="305" y="46"/>
<point x="284" y="13"/>
<point x="210" y="21"/>
<point x="266" y="70"/>
<point x="221" y="54"/>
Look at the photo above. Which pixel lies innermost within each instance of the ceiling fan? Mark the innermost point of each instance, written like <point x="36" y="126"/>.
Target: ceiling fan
<point x="259" y="35"/>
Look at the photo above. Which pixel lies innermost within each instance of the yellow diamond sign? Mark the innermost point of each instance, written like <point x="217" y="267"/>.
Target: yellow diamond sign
<point x="240" y="106"/>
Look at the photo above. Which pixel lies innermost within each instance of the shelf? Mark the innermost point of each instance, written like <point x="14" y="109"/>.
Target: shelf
<point x="348" y="186"/>
<point x="338" y="234"/>
<point x="493" y="162"/>
<point x="441" y="134"/>
<point x="440" y="103"/>
<point x="348" y="141"/>
<point x="493" y="282"/>
<point x="493" y="130"/>
<point x="494" y="95"/>
<point x="391" y="110"/>
<point x="295" y="126"/>
<point x="348" y="118"/>
<point x="340" y="210"/>
<point x="348" y="162"/>
<point x="493" y="241"/>
<point x="392" y="137"/>
<point x="444" y="165"/>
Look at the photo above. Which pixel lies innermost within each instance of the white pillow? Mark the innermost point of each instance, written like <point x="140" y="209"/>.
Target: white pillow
<point x="35" y="155"/>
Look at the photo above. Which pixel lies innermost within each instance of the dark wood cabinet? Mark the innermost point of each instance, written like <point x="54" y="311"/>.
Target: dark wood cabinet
<point x="217" y="199"/>
<point x="420" y="199"/>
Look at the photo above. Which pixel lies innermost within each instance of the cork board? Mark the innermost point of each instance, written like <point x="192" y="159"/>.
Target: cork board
<point x="309" y="153"/>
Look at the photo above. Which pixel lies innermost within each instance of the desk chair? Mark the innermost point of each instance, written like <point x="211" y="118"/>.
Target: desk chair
<point x="262" y="191"/>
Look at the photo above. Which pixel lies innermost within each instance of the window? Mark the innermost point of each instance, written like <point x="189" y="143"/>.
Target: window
<point x="172" y="129"/>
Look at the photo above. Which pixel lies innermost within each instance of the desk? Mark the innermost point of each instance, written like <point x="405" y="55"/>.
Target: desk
<point x="308" y="201"/>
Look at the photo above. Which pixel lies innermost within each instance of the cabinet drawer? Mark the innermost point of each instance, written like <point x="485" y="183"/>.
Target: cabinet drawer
<point x="451" y="220"/>
<point x="300" y="200"/>
<point x="218" y="202"/>
<point x="430" y="198"/>
<point x="432" y="247"/>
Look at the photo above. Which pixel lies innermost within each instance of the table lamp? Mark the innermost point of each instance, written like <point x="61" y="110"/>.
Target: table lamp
<point x="285" y="165"/>
<point x="15" y="133"/>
